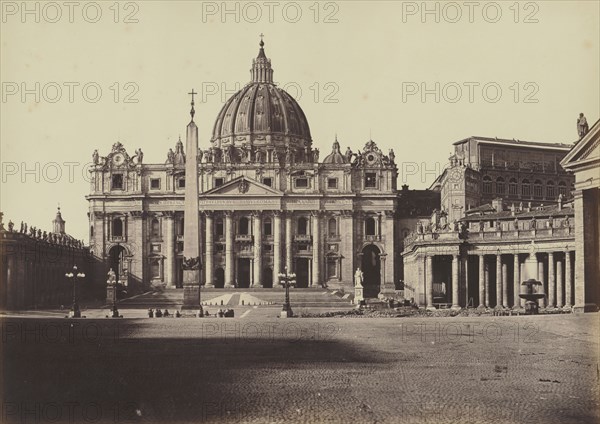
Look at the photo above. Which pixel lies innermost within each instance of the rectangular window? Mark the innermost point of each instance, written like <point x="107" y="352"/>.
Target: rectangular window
<point x="303" y="247"/>
<point x="155" y="183"/>
<point x="116" y="182"/>
<point x="268" y="182"/>
<point x="332" y="183"/>
<point x="370" y="180"/>
<point x="301" y="182"/>
<point x="268" y="228"/>
<point x="219" y="182"/>
<point x="181" y="183"/>
<point x="179" y="246"/>
<point x="220" y="248"/>
<point x="268" y="247"/>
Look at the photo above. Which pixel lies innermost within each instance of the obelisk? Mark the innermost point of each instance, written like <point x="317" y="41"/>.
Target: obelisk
<point x="191" y="235"/>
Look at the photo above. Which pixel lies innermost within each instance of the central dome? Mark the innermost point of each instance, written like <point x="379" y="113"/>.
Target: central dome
<point x="262" y="114"/>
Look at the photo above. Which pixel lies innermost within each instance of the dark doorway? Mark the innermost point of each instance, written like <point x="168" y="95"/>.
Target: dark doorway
<point x="117" y="260"/>
<point x="268" y="278"/>
<point x="243" y="273"/>
<point x="219" y="278"/>
<point x="371" y="268"/>
<point x="302" y="270"/>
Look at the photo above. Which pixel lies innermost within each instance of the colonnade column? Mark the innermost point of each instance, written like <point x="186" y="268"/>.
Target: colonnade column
<point x="551" y="281"/>
<point x="208" y="249"/>
<point x="516" y="281"/>
<point x="429" y="281"/>
<point x="455" y="282"/>
<point x="541" y="279"/>
<point x="288" y="241"/>
<point x="229" y="250"/>
<point x="257" y="233"/>
<point x="505" y="285"/>
<point x="276" y="247"/>
<point x="486" y="276"/>
<point x="568" y="280"/>
<point x="481" y="281"/>
<point x="498" y="280"/>
<point x="316" y="239"/>
<point x="559" y="285"/>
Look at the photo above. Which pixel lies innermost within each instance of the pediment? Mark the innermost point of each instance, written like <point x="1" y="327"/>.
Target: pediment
<point x="243" y="186"/>
<point x="586" y="150"/>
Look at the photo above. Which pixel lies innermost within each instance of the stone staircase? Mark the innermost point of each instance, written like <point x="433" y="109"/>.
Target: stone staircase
<point x="301" y="298"/>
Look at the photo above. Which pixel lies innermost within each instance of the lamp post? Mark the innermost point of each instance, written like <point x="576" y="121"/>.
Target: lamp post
<point x="286" y="280"/>
<point x="74" y="275"/>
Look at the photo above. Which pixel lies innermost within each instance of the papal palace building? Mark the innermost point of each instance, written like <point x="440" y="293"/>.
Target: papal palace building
<point x="268" y="200"/>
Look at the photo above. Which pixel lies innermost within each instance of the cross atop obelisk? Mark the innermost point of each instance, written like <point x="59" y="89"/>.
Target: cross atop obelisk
<point x="192" y="112"/>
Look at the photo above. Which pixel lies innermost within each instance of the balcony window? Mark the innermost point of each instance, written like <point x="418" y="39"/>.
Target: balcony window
<point x="332" y="227"/>
<point x="155" y="231"/>
<point x="219" y="228"/>
<point x="117" y="227"/>
<point x="525" y="188"/>
<point x="550" y="190"/>
<point x="500" y="186"/>
<point x="512" y="187"/>
<point x="267" y="227"/>
<point x="180" y="227"/>
<point x="562" y="188"/>
<point x="301" y="182"/>
<point x="332" y="183"/>
<point x="154" y="183"/>
<point x="370" y="180"/>
<point x="487" y="185"/>
<point x="537" y="189"/>
<point x="116" y="182"/>
<point x="370" y="226"/>
<point x="302" y="226"/>
<point x="243" y="228"/>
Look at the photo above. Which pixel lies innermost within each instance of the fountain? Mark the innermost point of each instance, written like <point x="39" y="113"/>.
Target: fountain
<point x="531" y="295"/>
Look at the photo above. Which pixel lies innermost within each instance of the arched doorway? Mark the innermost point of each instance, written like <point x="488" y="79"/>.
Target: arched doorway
<point x="371" y="268"/>
<point x="219" y="278"/>
<point x="116" y="260"/>
<point x="267" y="278"/>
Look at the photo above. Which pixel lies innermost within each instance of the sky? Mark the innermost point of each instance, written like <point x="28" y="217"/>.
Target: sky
<point x="413" y="76"/>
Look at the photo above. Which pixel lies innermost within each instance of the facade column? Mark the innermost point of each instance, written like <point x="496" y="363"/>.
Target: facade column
<point x="542" y="279"/>
<point x="276" y="247"/>
<point x="257" y="233"/>
<point x="486" y="274"/>
<point x="481" y="281"/>
<point x="229" y="269"/>
<point x="455" y="282"/>
<point x="516" y="281"/>
<point x="551" y="281"/>
<point x="580" y="251"/>
<point x="288" y="241"/>
<point x="169" y="224"/>
<point x="505" y="285"/>
<point x="316" y="239"/>
<point x="498" y="280"/>
<point x="568" y="280"/>
<point x="559" y="285"/>
<point x="208" y="248"/>
<point x="429" y="281"/>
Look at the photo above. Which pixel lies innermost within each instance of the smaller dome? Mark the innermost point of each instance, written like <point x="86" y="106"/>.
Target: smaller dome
<point x="335" y="156"/>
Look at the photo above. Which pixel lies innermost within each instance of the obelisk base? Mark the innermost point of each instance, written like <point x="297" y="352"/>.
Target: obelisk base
<point x="191" y="289"/>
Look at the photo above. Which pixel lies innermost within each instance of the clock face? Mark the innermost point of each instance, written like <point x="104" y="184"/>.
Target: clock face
<point x="371" y="158"/>
<point x="118" y="159"/>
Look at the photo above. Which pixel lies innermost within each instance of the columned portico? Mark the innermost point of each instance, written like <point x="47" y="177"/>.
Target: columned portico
<point x="288" y="241"/>
<point x="568" y="280"/>
<point x="551" y="281"/>
<point x="560" y="287"/>
<point x="498" y="280"/>
<point x="516" y="281"/>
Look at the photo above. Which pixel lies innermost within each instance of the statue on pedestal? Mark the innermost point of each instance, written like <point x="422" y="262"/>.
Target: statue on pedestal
<point x="358" y="278"/>
<point x="112" y="277"/>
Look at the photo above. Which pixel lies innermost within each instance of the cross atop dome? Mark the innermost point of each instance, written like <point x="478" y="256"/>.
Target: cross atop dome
<point x="261" y="66"/>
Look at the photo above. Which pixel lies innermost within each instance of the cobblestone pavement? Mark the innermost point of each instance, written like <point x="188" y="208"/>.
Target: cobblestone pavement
<point x="261" y="369"/>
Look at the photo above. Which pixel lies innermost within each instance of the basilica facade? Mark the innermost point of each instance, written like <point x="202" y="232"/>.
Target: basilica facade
<point x="267" y="202"/>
